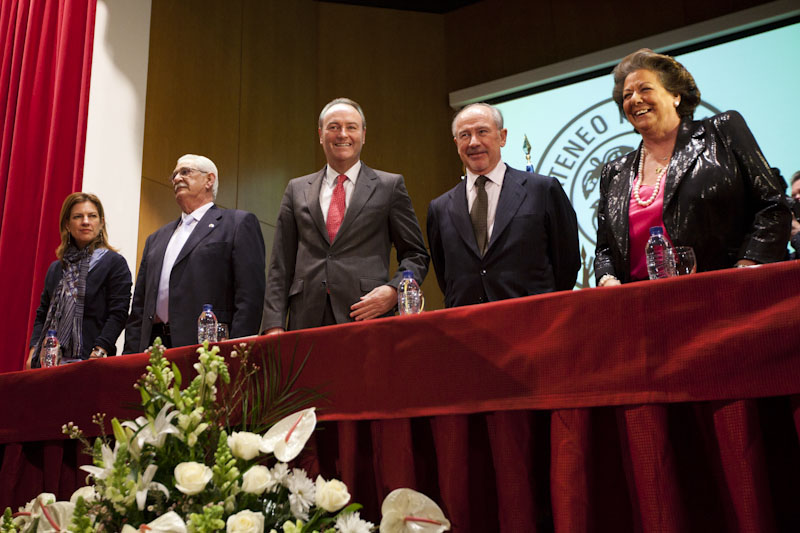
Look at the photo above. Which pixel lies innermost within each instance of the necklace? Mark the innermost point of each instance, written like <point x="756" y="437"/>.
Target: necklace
<point x="660" y="171"/>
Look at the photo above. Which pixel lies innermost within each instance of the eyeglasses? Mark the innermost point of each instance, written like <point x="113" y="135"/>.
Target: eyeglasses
<point x="185" y="172"/>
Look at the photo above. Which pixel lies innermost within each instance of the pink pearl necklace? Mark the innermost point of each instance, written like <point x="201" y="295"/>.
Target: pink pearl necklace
<point x="656" y="187"/>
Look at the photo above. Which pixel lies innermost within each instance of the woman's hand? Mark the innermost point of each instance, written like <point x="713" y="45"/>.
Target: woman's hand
<point x="98" y="352"/>
<point x="745" y="263"/>
<point x="29" y="360"/>
<point x="609" y="280"/>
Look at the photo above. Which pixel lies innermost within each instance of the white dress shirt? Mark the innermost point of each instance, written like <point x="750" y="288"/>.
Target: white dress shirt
<point x="493" y="185"/>
<point x="179" y="237"/>
<point x="329" y="183"/>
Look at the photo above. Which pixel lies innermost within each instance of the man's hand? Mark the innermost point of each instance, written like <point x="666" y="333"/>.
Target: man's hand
<point x="375" y="303"/>
<point x="273" y="331"/>
<point x="29" y="360"/>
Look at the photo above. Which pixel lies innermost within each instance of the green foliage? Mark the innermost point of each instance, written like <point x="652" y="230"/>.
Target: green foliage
<point x="7" y="525"/>
<point x="208" y="521"/>
<point x="81" y="523"/>
<point x="225" y="471"/>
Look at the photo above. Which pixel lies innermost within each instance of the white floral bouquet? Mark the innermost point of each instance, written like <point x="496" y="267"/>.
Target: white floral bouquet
<point x="156" y="476"/>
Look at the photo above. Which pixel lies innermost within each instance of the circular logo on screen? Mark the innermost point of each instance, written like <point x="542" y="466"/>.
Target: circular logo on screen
<point x="576" y="155"/>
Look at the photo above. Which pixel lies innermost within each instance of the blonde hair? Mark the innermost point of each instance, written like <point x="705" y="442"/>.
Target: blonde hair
<point x="101" y="241"/>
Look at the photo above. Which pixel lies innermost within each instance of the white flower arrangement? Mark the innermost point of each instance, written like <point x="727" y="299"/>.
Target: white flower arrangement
<point x="177" y="470"/>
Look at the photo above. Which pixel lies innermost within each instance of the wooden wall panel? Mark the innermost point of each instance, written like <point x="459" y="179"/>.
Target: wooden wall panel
<point x="278" y="112"/>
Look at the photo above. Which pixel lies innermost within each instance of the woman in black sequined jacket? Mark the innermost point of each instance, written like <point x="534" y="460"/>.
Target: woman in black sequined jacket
<point x="719" y="195"/>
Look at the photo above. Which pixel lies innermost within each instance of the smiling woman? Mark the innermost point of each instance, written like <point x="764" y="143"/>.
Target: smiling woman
<point x="706" y="183"/>
<point x="86" y="291"/>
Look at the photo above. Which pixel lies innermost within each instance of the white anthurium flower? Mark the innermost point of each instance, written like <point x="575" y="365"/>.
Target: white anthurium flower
<point x="109" y="456"/>
<point x="288" y="437"/>
<point x="54" y="517"/>
<point x="191" y="478"/>
<point x="32" y="509"/>
<point x="408" y="511"/>
<point x="88" y="493"/>
<point x="169" y="522"/>
<point x="145" y="483"/>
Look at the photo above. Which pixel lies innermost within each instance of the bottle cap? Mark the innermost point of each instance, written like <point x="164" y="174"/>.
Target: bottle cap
<point x="51" y="333"/>
<point x="656" y="230"/>
<point x="407" y="274"/>
<point x="206" y="307"/>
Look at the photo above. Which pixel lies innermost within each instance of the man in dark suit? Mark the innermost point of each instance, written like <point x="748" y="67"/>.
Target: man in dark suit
<point x="500" y="233"/>
<point x="334" y="235"/>
<point x="210" y="255"/>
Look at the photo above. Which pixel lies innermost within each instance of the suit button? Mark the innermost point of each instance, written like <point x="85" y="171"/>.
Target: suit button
<point x="480" y="300"/>
<point x="483" y="272"/>
<point x="330" y="256"/>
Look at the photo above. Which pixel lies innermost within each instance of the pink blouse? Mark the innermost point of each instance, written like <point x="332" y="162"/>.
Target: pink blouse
<point x="640" y="220"/>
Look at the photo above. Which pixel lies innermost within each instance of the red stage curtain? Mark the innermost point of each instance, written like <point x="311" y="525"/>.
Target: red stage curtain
<point x="44" y="98"/>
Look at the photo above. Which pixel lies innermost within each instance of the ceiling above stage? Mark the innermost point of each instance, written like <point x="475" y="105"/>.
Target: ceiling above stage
<point x="427" y="6"/>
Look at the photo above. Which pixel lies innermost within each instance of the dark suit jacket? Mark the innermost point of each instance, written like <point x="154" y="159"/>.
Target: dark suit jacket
<point x="105" y="307"/>
<point x="720" y="197"/>
<point x="533" y="248"/>
<point x="222" y="264"/>
<point x="304" y="264"/>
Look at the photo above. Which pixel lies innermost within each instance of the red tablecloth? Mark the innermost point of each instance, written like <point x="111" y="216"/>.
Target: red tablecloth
<point x="631" y="408"/>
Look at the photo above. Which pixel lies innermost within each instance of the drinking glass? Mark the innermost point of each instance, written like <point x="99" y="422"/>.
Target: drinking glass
<point x="685" y="261"/>
<point x="222" y="332"/>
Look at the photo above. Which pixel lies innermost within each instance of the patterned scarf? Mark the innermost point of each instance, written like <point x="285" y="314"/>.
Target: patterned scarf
<point x="65" y="314"/>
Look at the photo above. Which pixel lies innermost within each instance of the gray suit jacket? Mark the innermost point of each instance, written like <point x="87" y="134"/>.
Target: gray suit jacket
<point x="305" y="266"/>
<point x="222" y="264"/>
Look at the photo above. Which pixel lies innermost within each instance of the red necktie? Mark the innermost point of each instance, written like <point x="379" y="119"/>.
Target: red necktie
<point x="336" y="209"/>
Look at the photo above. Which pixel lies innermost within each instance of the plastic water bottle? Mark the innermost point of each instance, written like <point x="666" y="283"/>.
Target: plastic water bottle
<point x="660" y="259"/>
<point x="409" y="295"/>
<point x="207" y="325"/>
<point x="51" y="353"/>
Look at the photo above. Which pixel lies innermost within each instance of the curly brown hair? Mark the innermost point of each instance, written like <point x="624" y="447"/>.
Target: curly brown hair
<point x="673" y="76"/>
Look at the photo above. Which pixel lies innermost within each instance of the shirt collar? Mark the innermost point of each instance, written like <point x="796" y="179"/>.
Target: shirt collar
<point x="495" y="175"/>
<point x="197" y="214"/>
<point x="352" y="174"/>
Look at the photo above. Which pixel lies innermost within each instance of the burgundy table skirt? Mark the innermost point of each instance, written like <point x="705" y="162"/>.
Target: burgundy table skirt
<point x="661" y="406"/>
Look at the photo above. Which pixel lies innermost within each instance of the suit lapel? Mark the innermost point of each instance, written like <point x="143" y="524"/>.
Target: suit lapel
<point x="619" y="200"/>
<point x="312" y="191"/>
<point x="157" y="254"/>
<point x="688" y="147"/>
<point x="512" y="195"/>
<point x="205" y="225"/>
<point x="364" y="187"/>
<point x="459" y="213"/>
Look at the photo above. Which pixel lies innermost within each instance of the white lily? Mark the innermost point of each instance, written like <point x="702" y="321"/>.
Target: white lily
<point x="154" y="432"/>
<point x="145" y="483"/>
<point x="108" y="456"/>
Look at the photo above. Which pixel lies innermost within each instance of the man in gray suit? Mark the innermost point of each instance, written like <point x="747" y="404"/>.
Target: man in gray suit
<point x="335" y="231"/>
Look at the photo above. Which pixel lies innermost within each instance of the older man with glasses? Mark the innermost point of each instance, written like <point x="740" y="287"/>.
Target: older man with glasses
<point x="209" y="255"/>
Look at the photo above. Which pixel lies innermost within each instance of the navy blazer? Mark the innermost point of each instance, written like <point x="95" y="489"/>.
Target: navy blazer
<point x="533" y="248"/>
<point x="105" y="307"/>
<point x="222" y="264"/>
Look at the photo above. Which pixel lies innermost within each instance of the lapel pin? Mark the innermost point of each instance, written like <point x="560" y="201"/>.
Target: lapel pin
<point x="211" y="225"/>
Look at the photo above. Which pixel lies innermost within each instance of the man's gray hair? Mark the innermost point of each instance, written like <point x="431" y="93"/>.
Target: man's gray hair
<point x="496" y="115"/>
<point x="203" y="164"/>
<point x="346" y="101"/>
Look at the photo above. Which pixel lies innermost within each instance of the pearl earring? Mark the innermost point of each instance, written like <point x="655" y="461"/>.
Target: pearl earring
<point x="677" y="103"/>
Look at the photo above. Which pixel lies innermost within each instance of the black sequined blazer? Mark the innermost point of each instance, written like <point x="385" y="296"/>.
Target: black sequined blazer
<point x="720" y="197"/>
